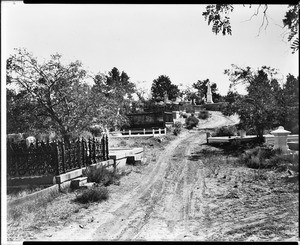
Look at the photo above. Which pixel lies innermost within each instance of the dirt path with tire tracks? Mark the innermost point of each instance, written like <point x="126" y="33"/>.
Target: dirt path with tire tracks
<point x="159" y="207"/>
<point x="165" y="202"/>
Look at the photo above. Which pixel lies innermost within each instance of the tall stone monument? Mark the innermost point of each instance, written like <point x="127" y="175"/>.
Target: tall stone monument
<point x="209" y="94"/>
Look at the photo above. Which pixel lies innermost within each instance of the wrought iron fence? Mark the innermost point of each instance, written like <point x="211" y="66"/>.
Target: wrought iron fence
<point x="53" y="158"/>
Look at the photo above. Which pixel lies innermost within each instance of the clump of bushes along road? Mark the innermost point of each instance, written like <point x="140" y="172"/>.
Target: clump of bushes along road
<point x="177" y="129"/>
<point x="95" y="194"/>
<point x="262" y="157"/>
<point x="225" y="131"/>
<point x="191" y="122"/>
<point x="203" y="115"/>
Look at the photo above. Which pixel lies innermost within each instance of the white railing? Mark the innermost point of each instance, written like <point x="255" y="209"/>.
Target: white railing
<point x="142" y="133"/>
<point x="270" y="139"/>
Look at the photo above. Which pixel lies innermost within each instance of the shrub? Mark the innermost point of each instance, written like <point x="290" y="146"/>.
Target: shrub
<point x="226" y="131"/>
<point x="96" y="194"/>
<point x="283" y="162"/>
<point x="177" y="129"/>
<point x="96" y="130"/>
<point x="191" y="122"/>
<point x="264" y="157"/>
<point x="86" y="135"/>
<point x="203" y="115"/>
<point x="189" y="109"/>
<point x="101" y="176"/>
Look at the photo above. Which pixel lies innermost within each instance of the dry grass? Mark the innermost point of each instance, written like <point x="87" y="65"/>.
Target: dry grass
<point x="16" y="193"/>
<point x="26" y="219"/>
<point x="252" y="204"/>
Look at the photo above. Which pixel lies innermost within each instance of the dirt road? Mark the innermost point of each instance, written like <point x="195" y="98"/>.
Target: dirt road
<point x="161" y="207"/>
<point x="156" y="204"/>
<point x="162" y="201"/>
<point x="176" y="196"/>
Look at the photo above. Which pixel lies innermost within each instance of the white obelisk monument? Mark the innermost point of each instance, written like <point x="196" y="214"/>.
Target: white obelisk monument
<point x="209" y="95"/>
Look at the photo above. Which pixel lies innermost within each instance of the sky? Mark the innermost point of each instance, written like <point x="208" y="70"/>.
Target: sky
<point x="147" y="41"/>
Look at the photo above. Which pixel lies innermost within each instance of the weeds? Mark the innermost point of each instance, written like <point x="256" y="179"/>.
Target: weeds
<point x="177" y="129"/>
<point x="266" y="157"/>
<point x="16" y="212"/>
<point x="102" y="176"/>
<point x="96" y="194"/>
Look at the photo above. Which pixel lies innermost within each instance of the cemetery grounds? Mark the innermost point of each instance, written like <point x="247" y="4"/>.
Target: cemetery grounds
<point x="184" y="191"/>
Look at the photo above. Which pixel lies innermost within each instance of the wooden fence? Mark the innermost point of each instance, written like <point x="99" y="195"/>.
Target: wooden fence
<point x="44" y="158"/>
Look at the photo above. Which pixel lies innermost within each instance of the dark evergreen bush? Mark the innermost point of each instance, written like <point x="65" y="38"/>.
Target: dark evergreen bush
<point x="225" y="131"/>
<point x="191" y="122"/>
<point x="203" y="115"/>
<point x="177" y="129"/>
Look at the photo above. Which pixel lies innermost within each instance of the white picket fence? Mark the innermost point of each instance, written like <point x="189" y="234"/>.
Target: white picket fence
<point x="140" y="133"/>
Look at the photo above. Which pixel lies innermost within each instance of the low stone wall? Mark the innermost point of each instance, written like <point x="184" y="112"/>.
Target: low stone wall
<point x="123" y="156"/>
<point x="59" y="182"/>
<point x="35" y="196"/>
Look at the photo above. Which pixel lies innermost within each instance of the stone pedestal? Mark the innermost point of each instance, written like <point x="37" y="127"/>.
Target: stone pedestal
<point x="280" y="139"/>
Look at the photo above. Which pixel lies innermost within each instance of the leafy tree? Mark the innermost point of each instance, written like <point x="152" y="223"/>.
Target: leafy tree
<point x="218" y="16"/>
<point x="19" y="106"/>
<point x="163" y="85"/>
<point x="190" y="94"/>
<point x="258" y="109"/>
<point x="232" y="100"/>
<point x="289" y="104"/>
<point x="60" y="98"/>
<point x="116" y="87"/>
<point x="201" y="86"/>
<point x="291" y="21"/>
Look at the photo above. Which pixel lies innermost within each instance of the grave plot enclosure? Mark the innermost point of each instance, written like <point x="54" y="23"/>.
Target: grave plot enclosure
<point x="149" y="120"/>
<point x="54" y="158"/>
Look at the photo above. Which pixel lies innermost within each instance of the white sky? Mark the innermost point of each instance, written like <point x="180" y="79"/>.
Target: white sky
<point x="148" y="40"/>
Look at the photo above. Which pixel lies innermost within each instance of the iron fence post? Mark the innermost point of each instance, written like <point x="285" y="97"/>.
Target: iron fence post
<point x="89" y="151"/>
<point x="107" y="153"/>
<point x="82" y="144"/>
<point x="78" y="149"/>
<point x="56" y="157"/>
<point x="63" y="156"/>
<point x="103" y="148"/>
<point x="94" y="150"/>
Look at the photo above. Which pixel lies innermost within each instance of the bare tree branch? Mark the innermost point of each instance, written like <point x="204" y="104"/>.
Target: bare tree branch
<point x="255" y="14"/>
